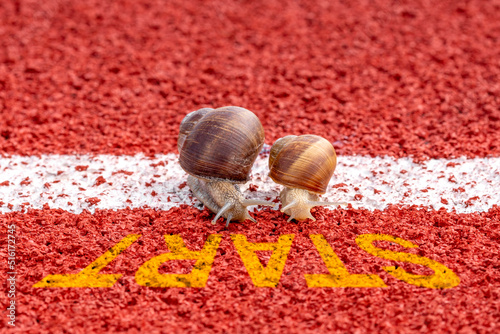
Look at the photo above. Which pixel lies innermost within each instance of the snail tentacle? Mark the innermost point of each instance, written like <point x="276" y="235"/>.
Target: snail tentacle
<point x="288" y="206"/>
<point x="229" y="217"/>
<point x="250" y="202"/>
<point x="320" y="203"/>
<point x="299" y="211"/>
<point x="297" y="203"/>
<point x="224" y="199"/>
<point x="226" y="206"/>
<point x="252" y="218"/>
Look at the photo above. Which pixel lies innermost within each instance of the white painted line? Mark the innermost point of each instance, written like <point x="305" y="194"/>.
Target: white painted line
<point x="76" y="183"/>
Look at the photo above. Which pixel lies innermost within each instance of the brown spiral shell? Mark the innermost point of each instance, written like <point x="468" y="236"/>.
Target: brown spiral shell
<point x="220" y="143"/>
<point x="304" y="162"/>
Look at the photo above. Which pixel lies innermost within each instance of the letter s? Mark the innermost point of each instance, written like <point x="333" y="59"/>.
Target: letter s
<point x="443" y="277"/>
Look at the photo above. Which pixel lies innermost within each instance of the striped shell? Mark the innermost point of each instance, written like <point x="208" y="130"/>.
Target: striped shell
<point x="220" y="144"/>
<point x="304" y="162"/>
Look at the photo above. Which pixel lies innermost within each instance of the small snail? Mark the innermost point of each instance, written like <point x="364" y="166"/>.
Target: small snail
<point x="304" y="165"/>
<point x="217" y="149"/>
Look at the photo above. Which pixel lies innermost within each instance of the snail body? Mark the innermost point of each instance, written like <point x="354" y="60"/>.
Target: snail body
<point x="223" y="198"/>
<point x="304" y="165"/>
<point x="217" y="149"/>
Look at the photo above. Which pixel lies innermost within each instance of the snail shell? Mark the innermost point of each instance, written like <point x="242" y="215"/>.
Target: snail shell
<point x="220" y="143"/>
<point x="218" y="148"/>
<point x="304" y="165"/>
<point x="305" y="162"/>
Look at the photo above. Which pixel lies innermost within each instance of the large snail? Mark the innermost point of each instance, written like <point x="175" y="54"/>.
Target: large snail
<point x="217" y="149"/>
<point x="304" y="165"/>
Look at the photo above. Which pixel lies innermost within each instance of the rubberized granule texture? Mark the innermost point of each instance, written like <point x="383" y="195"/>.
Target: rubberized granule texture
<point x="412" y="78"/>
<point x="230" y="302"/>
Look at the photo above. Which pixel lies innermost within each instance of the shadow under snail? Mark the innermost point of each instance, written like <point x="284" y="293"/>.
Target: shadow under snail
<point x="218" y="148"/>
<point x="304" y="165"/>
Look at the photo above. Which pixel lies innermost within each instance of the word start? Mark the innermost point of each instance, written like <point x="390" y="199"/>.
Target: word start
<point x="269" y="276"/>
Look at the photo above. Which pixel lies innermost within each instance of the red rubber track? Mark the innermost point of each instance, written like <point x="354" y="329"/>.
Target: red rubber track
<point x="404" y="78"/>
<point x="398" y="78"/>
<point x="467" y="244"/>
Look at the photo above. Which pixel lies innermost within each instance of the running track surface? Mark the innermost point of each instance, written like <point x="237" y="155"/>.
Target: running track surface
<point x="414" y="80"/>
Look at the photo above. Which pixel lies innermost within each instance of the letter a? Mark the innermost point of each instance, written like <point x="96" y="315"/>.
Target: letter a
<point x="263" y="277"/>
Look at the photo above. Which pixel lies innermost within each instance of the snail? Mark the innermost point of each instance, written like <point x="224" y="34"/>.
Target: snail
<point x="217" y="148"/>
<point x="304" y="165"/>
